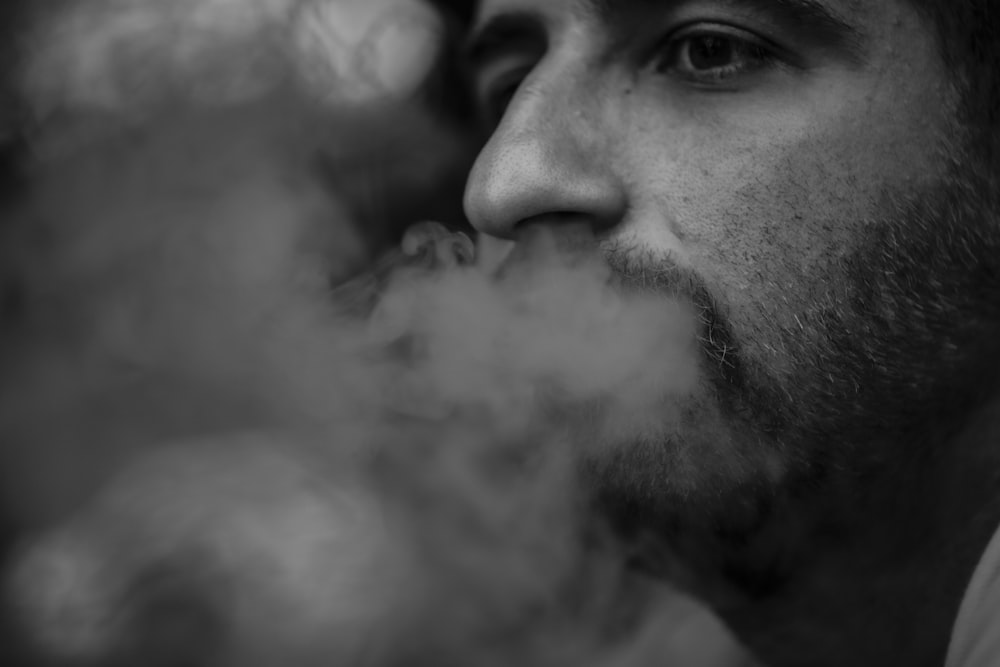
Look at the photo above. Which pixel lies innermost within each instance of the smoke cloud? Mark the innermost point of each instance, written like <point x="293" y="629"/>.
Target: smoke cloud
<point x="229" y="438"/>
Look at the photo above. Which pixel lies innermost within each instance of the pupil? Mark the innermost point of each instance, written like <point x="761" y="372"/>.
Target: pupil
<point x="711" y="52"/>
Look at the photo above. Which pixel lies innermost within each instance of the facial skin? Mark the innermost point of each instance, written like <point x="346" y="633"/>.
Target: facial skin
<point x="794" y="169"/>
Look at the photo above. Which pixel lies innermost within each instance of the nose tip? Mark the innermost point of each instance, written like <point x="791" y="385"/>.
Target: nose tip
<point x="535" y="170"/>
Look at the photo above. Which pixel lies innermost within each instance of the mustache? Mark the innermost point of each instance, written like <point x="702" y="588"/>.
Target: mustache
<point x="632" y="270"/>
<point x="639" y="270"/>
<point x="751" y="396"/>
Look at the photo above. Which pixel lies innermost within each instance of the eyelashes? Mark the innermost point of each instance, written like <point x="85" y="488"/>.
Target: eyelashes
<point x="709" y="55"/>
<point x="703" y="55"/>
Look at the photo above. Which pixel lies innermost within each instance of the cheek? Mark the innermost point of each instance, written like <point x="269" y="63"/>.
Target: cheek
<point x="764" y="193"/>
<point x="768" y="221"/>
<point x="760" y="225"/>
<point x="783" y="223"/>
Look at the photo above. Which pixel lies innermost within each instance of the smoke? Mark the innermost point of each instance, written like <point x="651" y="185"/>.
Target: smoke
<point x="213" y="456"/>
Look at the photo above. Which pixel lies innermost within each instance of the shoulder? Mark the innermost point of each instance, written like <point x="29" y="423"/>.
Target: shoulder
<point x="975" y="640"/>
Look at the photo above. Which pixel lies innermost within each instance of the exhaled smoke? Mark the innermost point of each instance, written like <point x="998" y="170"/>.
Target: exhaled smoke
<point x="216" y="459"/>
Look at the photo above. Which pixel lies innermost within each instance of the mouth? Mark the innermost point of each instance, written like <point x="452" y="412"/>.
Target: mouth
<point x="640" y="271"/>
<point x="632" y="273"/>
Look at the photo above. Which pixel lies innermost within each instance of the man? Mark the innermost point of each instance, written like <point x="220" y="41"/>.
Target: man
<point x="818" y="176"/>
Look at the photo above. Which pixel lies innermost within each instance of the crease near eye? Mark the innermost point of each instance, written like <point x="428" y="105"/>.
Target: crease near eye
<point x="713" y="55"/>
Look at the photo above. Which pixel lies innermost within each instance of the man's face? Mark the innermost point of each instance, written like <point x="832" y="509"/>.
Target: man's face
<point x="787" y="162"/>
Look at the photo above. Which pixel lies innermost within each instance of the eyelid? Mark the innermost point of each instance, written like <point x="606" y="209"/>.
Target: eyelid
<point x="762" y="55"/>
<point x="709" y="28"/>
<point x="719" y="28"/>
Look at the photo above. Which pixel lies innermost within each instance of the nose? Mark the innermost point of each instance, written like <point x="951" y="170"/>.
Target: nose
<point x="546" y="162"/>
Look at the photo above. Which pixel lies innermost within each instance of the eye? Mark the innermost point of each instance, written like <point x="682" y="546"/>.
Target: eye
<point x="495" y="97"/>
<point x="713" y="56"/>
<point x="500" y="57"/>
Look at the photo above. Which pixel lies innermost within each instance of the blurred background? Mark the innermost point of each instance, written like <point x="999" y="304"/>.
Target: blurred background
<point x="186" y="422"/>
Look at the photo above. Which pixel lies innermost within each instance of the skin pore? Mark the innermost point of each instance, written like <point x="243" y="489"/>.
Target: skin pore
<point x="792" y="167"/>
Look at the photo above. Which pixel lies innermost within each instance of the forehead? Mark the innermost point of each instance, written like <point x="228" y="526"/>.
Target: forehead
<point x="867" y="32"/>
<point x="852" y="12"/>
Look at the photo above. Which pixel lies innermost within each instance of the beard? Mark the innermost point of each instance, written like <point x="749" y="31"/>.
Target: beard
<point x="888" y="365"/>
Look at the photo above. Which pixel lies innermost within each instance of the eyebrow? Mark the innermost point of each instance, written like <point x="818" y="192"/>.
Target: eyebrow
<point x="806" y="12"/>
<point x="813" y="17"/>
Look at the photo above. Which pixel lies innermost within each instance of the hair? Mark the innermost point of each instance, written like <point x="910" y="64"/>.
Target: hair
<point x="968" y="35"/>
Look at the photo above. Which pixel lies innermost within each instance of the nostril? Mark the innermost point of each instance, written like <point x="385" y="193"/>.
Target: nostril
<point x="558" y="238"/>
<point x="563" y="219"/>
<point x="567" y="229"/>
